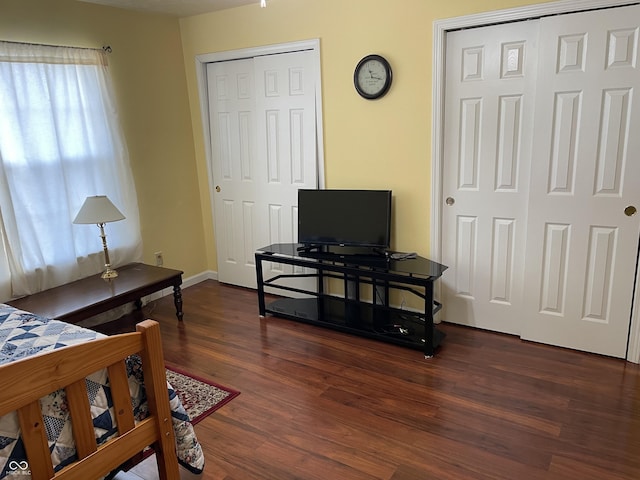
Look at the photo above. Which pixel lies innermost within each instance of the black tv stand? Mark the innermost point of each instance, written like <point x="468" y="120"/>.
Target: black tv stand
<point x="309" y="248"/>
<point x="341" y="250"/>
<point x="376" y="319"/>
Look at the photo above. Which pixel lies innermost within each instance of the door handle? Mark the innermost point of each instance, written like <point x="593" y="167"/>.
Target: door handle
<point x="630" y="211"/>
<point x="450" y="201"/>
<point x="218" y="188"/>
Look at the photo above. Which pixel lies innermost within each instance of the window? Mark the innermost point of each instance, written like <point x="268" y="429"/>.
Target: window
<point x="60" y="141"/>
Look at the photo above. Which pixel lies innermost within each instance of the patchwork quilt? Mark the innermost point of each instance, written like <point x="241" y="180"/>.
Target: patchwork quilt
<point x="23" y="334"/>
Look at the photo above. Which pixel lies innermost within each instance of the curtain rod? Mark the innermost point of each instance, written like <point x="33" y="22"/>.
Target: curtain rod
<point x="104" y="48"/>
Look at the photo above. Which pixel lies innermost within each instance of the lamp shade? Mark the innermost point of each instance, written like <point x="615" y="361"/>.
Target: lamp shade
<point x="98" y="209"/>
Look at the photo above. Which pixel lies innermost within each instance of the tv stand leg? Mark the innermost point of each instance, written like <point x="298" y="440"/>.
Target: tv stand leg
<point x="428" y="321"/>
<point x="260" y="284"/>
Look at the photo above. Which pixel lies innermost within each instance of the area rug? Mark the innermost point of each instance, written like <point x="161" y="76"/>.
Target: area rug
<point x="199" y="397"/>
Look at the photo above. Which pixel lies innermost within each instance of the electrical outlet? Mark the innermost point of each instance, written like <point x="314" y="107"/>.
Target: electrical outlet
<point x="159" y="259"/>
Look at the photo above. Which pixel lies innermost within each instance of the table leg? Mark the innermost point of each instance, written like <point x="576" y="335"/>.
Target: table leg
<point x="177" y="300"/>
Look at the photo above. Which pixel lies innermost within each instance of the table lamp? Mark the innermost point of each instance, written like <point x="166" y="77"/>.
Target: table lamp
<point x="99" y="210"/>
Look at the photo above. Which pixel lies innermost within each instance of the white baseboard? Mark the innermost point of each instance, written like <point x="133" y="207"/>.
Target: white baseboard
<point x="186" y="282"/>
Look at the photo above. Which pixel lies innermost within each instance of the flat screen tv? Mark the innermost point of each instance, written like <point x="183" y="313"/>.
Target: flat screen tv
<point x="360" y="218"/>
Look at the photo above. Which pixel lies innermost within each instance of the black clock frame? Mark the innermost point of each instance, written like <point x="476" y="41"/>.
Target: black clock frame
<point x="387" y="84"/>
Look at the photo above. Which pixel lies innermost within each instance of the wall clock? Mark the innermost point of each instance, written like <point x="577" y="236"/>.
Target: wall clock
<point x="372" y="77"/>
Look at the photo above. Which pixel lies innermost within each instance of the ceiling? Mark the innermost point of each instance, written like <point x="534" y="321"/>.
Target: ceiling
<point x="179" y="8"/>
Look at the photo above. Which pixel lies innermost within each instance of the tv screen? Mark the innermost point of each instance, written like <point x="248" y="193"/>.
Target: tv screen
<point x="344" y="217"/>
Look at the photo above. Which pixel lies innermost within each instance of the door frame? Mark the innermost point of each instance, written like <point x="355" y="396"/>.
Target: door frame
<point x="440" y="30"/>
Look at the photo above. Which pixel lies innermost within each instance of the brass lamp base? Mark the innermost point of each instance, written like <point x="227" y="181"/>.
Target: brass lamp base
<point x="109" y="273"/>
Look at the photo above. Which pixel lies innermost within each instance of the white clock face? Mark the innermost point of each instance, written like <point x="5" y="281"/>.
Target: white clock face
<point x="372" y="77"/>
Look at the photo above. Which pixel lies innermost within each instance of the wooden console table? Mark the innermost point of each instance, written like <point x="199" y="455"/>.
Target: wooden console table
<point x="93" y="295"/>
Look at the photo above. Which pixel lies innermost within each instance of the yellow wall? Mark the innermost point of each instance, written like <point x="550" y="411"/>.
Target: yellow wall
<point x="148" y="72"/>
<point x="380" y="144"/>
<point x="367" y="144"/>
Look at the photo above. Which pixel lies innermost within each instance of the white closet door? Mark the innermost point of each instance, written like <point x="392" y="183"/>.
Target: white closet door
<point x="552" y="255"/>
<point x="490" y="88"/>
<point x="232" y="113"/>
<point x="582" y="247"/>
<point x="286" y="134"/>
<point x="262" y="118"/>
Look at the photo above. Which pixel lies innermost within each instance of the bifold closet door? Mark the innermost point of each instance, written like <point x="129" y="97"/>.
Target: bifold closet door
<point x="489" y="106"/>
<point x="262" y="118"/>
<point x="582" y="245"/>
<point x="551" y="255"/>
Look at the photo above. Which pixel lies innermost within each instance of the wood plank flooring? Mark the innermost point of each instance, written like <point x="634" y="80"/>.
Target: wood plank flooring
<point x="322" y="405"/>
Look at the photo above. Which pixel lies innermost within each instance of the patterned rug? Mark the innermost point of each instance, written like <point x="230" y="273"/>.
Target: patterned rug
<point x="199" y="397"/>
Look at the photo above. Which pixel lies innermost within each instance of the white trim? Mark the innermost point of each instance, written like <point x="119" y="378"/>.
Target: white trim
<point x="440" y="29"/>
<point x="312" y="44"/>
<point x="633" y="348"/>
<point x="186" y="282"/>
<point x="200" y="277"/>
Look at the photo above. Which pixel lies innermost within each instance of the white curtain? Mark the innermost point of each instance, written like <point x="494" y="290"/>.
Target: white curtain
<point x="60" y="141"/>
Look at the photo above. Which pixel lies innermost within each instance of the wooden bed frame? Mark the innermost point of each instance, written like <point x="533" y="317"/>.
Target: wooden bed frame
<point x="37" y="376"/>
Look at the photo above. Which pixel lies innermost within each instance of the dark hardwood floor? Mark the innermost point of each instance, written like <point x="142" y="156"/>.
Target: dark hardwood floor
<point x="323" y="405"/>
